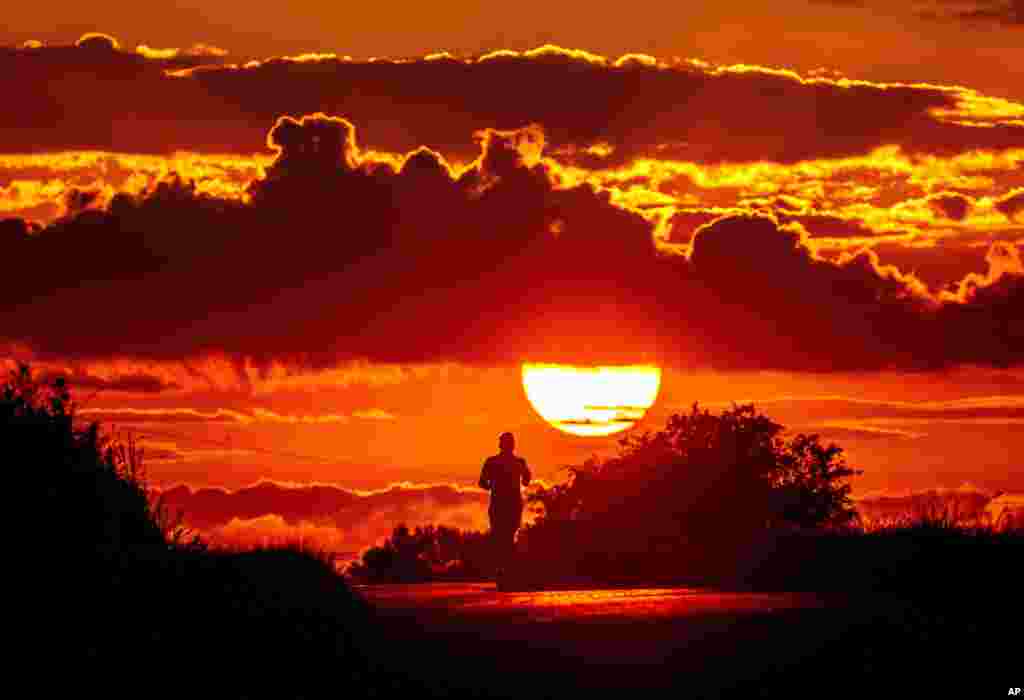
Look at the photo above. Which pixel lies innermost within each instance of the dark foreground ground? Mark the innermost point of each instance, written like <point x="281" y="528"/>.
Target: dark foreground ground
<point x="686" y="642"/>
<point x="279" y="624"/>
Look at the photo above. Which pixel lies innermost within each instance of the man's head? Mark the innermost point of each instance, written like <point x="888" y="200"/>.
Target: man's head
<point x="507" y="443"/>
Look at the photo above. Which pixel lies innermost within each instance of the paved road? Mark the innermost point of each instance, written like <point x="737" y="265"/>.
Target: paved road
<point x="483" y="600"/>
<point x="703" y="641"/>
<point x="692" y="643"/>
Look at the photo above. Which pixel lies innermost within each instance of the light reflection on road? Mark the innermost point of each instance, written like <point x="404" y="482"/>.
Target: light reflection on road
<point x="550" y="605"/>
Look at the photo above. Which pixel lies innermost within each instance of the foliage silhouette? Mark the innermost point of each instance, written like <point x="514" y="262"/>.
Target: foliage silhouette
<point x="430" y="553"/>
<point x="93" y="487"/>
<point x="133" y="589"/>
<point x="700" y="488"/>
<point x="725" y="500"/>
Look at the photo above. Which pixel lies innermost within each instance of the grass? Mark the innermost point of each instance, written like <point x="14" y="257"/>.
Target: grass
<point x="121" y="588"/>
<point x="924" y="557"/>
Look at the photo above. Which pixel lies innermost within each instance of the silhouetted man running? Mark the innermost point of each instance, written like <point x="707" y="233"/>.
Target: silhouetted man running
<point x="501" y="475"/>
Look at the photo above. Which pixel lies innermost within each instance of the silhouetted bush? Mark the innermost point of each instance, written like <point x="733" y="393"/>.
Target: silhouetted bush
<point x="92" y="489"/>
<point x="122" y="586"/>
<point x="430" y="553"/>
<point x="930" y="557"/>
<point x="688" y="497"/>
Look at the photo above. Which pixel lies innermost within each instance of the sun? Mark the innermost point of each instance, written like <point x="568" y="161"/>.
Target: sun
<point x="591" y="401"/>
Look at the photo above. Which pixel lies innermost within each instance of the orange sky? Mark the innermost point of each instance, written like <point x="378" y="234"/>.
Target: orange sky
<point x="829" y="223"/>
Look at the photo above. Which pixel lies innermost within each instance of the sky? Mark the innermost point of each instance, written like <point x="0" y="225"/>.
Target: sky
<point x="309" y="246"/>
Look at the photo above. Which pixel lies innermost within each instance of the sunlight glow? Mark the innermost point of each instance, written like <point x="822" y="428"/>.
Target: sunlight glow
<point x="591" y="401"/>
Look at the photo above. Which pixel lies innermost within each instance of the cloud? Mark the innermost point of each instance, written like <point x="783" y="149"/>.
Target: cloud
<point x="46" y="187"/>
<point x="213" y="373"/>
<point x="199" y="50"/>
<point x="767" y="283"/>
<point x="374" y="414"/>
<point x="595" y="110"/>
<point x="951" y="205"/>
<point x="88" y="382"/>
<point x="335" y="518"/>
<point x="344" y="255"/>
<point x="859" y="411"/>
<point x="998" y="284"/>
<point x="273" y="530"/>
<point x="1009" y="13"/>
<point x="135" y="383"/>
<point x="910" y="203"/>
<point x="684" y="222"/>
<point x="167" y="415"/>
<point x="225" y="415"/>
<point x="1011" y="204"/>
<point x="861" y="430"/>
<point x="98" y="42"/>
<point x="979" y="13"/>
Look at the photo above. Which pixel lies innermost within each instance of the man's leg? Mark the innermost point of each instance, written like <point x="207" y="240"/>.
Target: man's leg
<point x="504" y="546"/>
<point x="504" y="524"/>
<point x="497" y="544"/>
<point x="510" y="547"/>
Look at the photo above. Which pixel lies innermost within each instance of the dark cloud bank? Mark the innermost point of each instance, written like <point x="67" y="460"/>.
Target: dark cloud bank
<point x="94" y="96"/>
<point x="337" y="256"/>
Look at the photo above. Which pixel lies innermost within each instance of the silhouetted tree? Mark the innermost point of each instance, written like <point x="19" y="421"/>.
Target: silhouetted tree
<point x="809" y="484"/>
<point x="704" y="481"/>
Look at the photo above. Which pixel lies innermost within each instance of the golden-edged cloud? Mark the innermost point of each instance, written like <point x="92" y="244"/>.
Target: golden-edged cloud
<point x="620" y="208"/>
<point x="598" y="108"/>
<point x="347" y="256"/>
<point x="332" y="517"/>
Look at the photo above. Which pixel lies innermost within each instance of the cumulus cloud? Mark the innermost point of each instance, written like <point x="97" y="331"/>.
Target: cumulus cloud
<point x="345" y="255"/>
<point x="684" y="221"/>
<point x="951" y="205"/>
<point x="98" y="42"/>
<point x="877" y="191"/>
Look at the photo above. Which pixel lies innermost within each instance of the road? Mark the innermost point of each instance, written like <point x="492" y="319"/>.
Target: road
<point x="702" y="641"/>
<point x="696" y="643"/>
<point x="484" y="601"/>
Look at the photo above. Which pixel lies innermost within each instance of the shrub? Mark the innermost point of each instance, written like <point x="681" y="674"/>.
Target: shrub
<point x="689" y="494"/>
<point x="93" y="487"/>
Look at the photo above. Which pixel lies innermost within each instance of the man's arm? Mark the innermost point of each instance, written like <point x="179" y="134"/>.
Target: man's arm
<point x="526" y="474"/>
<point x="485" y="475"/>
